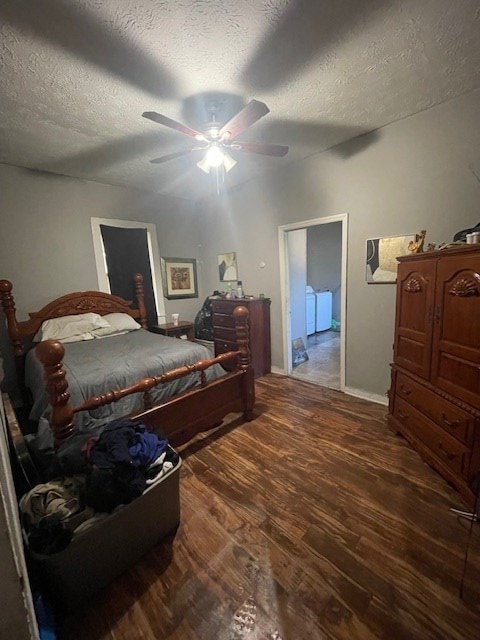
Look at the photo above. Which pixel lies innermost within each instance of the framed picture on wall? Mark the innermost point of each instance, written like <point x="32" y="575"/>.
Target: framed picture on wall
<point x="179" y="278"/>
<point x="382" y="254"/>
<point x="227" y="267"/>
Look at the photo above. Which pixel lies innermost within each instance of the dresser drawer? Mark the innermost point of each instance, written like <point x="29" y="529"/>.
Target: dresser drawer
<point x="257" y="334"/>
<point x="441" y="411"/>
<point x="222" y="346"/>
<point x="222" y="320"/>
<point x="448" y="450"/>
<point x="224" y="333"/>
<point x="226" y="306"/>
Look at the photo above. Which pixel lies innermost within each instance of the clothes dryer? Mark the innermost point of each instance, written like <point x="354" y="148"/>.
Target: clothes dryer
<point x="323" y="310"/>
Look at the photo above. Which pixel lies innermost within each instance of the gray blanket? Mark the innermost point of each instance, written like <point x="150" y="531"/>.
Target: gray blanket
<point x="97" y="366"/>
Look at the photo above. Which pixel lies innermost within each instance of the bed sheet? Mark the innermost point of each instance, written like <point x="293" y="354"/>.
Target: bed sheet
<point x="97" y="366"/>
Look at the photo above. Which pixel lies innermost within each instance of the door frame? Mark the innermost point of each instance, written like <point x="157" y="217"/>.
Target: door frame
<point x="285" y="287"/>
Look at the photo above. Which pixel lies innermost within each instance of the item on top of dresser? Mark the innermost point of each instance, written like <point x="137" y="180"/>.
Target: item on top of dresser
<point x="416" y="246"/>
<point x="473" y="238"/>
<point x="462" y="235"/>
<point x="239" y="289"/>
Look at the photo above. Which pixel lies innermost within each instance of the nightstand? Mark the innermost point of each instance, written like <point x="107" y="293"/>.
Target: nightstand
<point x="183" y="328"/>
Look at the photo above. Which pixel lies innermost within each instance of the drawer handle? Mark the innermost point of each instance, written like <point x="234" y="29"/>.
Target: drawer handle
<point x="453" y="424"/>
<point x="403" y="416"/>
<point x="446" y="454"/>
<point x="405" y="390"/>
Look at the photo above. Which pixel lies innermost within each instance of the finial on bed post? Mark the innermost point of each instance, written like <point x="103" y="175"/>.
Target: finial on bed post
<point x="140" y="295"/>
<point x="8" y="306"/>
<point x="50" y="353"/>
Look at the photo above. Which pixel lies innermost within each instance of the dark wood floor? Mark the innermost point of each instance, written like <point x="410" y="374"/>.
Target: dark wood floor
<point x="311" y="522"/>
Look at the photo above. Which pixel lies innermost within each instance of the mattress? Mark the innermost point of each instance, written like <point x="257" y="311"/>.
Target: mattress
<point x="96" y="366"/>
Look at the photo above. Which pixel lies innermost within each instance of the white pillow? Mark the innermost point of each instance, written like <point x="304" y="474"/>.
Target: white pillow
<point x="66" y="327"/>
<point x="118" y="324"/>
<point x="79" y="338"/>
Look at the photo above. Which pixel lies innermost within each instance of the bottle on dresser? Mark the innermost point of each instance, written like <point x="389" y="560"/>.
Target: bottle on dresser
<point x="239" y="289"/>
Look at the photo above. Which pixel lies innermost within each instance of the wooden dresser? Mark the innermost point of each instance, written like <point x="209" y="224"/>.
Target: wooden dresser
<point x="259" y="329"/>
<point x="435" y="392"/>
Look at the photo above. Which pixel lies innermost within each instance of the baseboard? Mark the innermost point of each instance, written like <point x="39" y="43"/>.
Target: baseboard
<point x="278" y="371"/>
<point x="366" y="395"/>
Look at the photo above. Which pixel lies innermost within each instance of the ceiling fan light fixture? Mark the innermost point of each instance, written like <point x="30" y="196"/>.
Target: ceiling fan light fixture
<point x="214" y="156"/>
<point x="228" y="162"/>
<point x="204" y="165"/>
<point x="217" y="139"/>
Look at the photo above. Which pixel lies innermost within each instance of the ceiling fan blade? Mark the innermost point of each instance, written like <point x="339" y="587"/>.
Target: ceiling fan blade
<point x="172" y="156"/>
<point x="173" y="124"/>
<point x="244" y="119"/>
<point x="276" y="150"/>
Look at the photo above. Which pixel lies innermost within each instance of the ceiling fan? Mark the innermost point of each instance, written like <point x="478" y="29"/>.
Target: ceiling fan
<point x="217" y="139"/>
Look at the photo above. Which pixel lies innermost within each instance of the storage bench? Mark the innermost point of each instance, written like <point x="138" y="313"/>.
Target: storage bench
<point x="110" y="546"/>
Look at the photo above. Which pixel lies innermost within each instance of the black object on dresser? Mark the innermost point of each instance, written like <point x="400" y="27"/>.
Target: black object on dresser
<point x="258" y="328"/>
<point x="434" y="398"/>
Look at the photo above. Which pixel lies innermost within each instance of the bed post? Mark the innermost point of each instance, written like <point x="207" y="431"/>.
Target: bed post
<point x="240" y="316"/>
<point x="15" y="335"/>
<point x="140" y="295"/>
<point x="8" y="306"/>
<point x="50" y="353"/>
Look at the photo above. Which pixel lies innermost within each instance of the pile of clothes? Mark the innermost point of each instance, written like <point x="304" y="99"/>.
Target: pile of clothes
<point x="121" y="461"/>
<point x="111" y="468"/>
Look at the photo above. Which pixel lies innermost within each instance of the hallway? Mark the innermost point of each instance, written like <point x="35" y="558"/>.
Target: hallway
<point x="323" y="364"/>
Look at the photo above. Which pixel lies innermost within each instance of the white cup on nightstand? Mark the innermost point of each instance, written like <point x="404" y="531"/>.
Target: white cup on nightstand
<point x="175" y="317"/>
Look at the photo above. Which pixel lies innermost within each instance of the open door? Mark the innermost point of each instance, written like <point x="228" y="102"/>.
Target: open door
<point x="325" y="347"/>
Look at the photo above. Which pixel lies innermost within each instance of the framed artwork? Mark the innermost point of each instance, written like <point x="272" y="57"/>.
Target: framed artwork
<point x="179" y="278"/>
<point x="227" y="267"/>
<point x="382" y="256"/>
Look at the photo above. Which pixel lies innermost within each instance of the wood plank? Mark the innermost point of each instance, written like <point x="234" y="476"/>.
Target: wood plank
<point x="312" y="522"/>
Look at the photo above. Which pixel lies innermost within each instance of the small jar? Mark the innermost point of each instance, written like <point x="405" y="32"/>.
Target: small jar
<point x="475" y="237"/>
<point x="239" y="289"/>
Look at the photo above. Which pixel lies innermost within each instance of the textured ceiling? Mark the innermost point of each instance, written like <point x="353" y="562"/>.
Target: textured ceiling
<point x="76" y="77"/>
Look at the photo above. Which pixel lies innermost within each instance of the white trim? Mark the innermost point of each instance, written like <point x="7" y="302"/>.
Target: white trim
<point x="101" y="264"/>
<point x="284" y="287"/>
<point x="366" y="395"/>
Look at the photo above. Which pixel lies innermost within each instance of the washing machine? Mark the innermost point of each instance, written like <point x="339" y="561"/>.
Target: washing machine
<point x="310" y="309"/>
<point x="323" y="313"/>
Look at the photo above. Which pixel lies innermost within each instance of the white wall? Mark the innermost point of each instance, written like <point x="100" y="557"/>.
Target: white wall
<point x="408" y="176"/>
<point x="46" y="246"/>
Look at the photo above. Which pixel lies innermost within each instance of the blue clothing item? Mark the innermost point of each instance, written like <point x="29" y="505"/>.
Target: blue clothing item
<point x="111" y="448"/>
<point x="147" y="448"/>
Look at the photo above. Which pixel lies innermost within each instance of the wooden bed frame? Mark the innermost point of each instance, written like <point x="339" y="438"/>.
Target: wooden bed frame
<point x="180" y="417"/>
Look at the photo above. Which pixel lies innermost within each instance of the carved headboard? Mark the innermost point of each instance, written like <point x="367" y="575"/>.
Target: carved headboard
<point x="72" y="303"/>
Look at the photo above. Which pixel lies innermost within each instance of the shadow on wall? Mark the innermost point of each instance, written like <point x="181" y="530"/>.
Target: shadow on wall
<point x="350" y="148"/>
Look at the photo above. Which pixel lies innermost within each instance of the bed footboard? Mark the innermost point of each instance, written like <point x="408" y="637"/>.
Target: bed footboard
<point x="180" y="417"/>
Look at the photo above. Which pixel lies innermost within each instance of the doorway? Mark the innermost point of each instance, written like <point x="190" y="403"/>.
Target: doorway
<point x="313" y="260"/>
<point x="133" y="248"/>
